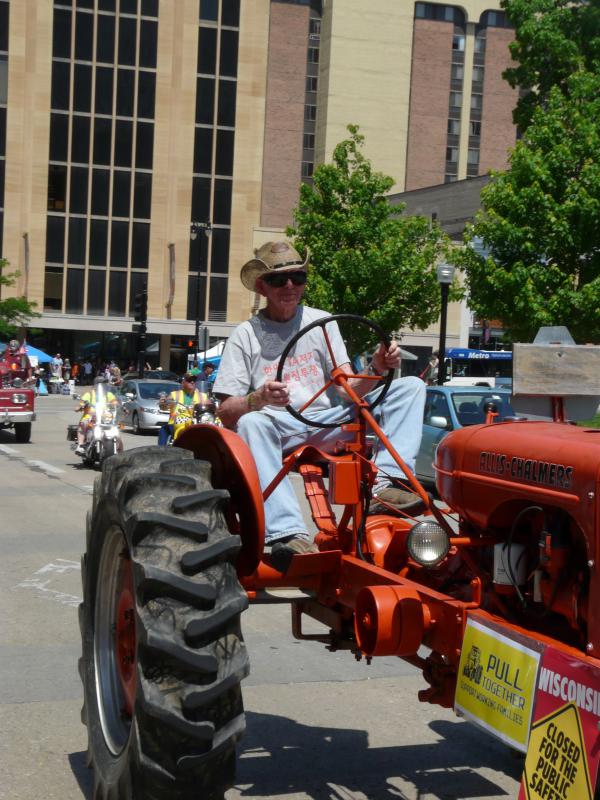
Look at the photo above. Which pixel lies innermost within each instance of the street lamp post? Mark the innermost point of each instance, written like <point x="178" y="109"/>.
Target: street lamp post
<point x="445" y="274"/>
<point x="195" y="228"/>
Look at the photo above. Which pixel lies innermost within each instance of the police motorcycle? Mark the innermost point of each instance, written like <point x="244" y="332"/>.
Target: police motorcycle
<point x="204" y="412"/>
<point x="102" y="434"/>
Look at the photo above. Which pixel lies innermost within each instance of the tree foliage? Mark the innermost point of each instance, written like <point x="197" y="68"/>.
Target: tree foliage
<point x="554" y="39"/>
<point x="540" y="222"/>
<point x="366" y="258"/>
<point x="14" y="311"/>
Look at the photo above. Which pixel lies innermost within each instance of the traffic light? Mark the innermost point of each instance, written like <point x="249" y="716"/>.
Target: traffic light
<point x="140" y="307"/>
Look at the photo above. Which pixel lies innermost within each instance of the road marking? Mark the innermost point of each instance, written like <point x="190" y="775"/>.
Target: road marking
<point x="44" y="467"/>
<point x="62" y="566"/>
<point x="9" y="451"/>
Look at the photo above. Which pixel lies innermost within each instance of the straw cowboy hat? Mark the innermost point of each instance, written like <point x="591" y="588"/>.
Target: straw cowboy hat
<point x="272" y="257"/>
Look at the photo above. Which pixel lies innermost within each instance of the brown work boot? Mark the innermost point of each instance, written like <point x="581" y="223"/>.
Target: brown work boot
<point x="283" y="551"/>
<point x="399" y="499"/>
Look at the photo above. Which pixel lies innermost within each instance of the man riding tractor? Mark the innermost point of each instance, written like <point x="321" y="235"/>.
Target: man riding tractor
<point x="254" y="404"/>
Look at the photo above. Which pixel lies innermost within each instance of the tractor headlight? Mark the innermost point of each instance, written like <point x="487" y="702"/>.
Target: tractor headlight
<point x="428" y="544"/>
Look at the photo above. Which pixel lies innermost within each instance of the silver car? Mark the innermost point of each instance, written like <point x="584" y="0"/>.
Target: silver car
<point x="139" y="403"/>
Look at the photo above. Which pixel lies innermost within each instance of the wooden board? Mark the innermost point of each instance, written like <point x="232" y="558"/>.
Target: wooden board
<point x="556" y="370"/>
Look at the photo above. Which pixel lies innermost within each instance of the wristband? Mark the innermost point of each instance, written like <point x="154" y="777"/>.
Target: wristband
<point x="251" y="398"/>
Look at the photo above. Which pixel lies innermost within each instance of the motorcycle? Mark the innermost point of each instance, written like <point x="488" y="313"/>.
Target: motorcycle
<point x="102" y="436"/>
<point x="204" y="412"/>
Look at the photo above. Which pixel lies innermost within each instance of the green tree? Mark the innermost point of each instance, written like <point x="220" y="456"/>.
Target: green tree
<point x="540" y="222"/>
<point x="366" y="258"/>
<point x="553" y="40"/>
<point x="14" y="311"/>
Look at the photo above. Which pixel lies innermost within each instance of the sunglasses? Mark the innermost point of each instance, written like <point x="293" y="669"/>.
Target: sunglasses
<point x="279" y="279"/>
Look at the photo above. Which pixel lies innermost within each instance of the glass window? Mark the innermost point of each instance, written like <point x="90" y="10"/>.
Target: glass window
<point x="458" y="72"/>
<point x="76" y="240"/>
<point x="75" y="279"/>
<point x="55" y="240"/>
<point x="3" y="80"/>
<point x="436" y="406"/>
<point x="138" y="281"/>
<point x="82" y="88"/>
<point x="473" y="156"/>
<point x="100" y="187"/>
<point x="196" y="297"/>
<point x="475" y="128"/>
<point x="150" y="8"/>
<point x="420" y="10"/>
<point x="311" y="84"/>
<point x="308" y="141"/>
<point x="456" y="99"/>
<point x="98" y="242"/>
<point x="61" y="78"/>
<point x="79" y="190"/>
<point x="230" y="13"/>
<point x="2" y="131"/>
<point x="3" y="26"/>
<point x="129" y="6"/>
<point x="121" y="193"/>
<point x="476" y="102"/>
<point x="80" y="139"/>
<point x="203" y="150"/>
<point x="61" y="33"/>
<point x="220" y="251"/>
<point x="209" y="10"/>
<point x="2" y="168"/>
<point x="205" y="100"/>
<point x="104" y="90"/>
<point x="224" y="156"/>
<point x="107" y="5"/>
<point x="314" y="27"/>
<point x="310" y="113"/>
<point x="480" y="44"/>
<point x="84" y="3"/>
<point x="57" y="189"/>
<point x="125" y="87"/>
<point x="102" y="140"/>
<point x="207" y="51"/>
<point x="458" y="43"/>
<point x="222" y="202"/>
<point x="227" y="98"/>
<point x="199" y="253"/>
<point x="144" y="145"/>
<point x="218" y="297"/>
<point x="140" y="245"/>
<point x="53" y="280"/>
<point x="313" y="55"/>
<point x="478" y="74"/>
<point x="454" y="127"/>
<point x="119" y="244"/>
<point x="200" y="198"/>
<point x="84" y="36"/>
<point x="307" y="169"/>
<point x="229" y="53"/>
<point x="59" y="137"/>
<point x="452" y="154"/>
<point x="96" y="291"/>
<point x="146" y="93"/>
<point x="123" y="143"/>
<point x="127" y="40"/>
<point x="148" y="43"/>
<point x="142" y="195"/>
<point x="105" y="40"/>
<point x="117" y="290"/>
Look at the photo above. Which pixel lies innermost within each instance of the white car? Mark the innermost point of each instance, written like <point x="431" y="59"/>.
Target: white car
<point x="139" y="403"/>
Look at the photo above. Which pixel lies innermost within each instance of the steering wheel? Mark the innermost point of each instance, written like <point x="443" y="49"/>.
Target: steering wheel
<point x="322" y="323"/>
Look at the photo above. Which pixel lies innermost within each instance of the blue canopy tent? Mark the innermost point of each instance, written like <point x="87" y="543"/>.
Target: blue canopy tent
<point x="43" y="358"/>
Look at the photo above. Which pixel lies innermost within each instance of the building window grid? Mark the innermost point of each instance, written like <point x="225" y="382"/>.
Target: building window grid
<point x="310" y="107"/>
<point x="3" y="122"/>
<point x="111" y="167"/>
<point x="205" y="272"/>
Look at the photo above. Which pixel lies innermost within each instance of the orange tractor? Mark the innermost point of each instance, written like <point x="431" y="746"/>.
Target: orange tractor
<point x="491" y="596"/>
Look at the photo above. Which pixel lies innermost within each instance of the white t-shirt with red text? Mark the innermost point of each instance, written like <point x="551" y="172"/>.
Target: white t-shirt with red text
<point x="252" y="354"/>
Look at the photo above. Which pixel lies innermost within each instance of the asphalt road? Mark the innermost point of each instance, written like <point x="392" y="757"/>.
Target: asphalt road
<point x="320" y="726"/>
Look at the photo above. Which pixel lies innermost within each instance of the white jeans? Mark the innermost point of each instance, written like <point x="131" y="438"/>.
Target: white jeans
<point x="272" y="434"/>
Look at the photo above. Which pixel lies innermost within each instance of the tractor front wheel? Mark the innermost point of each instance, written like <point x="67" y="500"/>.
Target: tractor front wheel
<point x="162" y="651"/>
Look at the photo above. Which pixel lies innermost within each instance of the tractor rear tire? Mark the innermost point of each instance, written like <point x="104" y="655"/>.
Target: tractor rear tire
<point x="162" y="650"/>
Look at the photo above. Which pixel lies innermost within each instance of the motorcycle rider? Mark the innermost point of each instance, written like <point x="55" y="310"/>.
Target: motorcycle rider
<point x="180" y="404"/>
<point x="87" y="405"/>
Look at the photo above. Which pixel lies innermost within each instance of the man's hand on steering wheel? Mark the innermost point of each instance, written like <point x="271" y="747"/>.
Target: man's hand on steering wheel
<point x="385" y="359"/>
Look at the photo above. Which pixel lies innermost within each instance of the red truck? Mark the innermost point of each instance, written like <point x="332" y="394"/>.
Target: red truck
<point x="16" y="400"/>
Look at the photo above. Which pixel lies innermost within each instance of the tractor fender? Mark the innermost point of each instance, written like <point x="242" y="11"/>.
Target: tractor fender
<point x="233" y="469"/>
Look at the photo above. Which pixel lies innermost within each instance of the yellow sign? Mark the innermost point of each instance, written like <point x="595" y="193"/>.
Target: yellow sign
<point x="556" y="765"/>
<point x="496" y="683"/>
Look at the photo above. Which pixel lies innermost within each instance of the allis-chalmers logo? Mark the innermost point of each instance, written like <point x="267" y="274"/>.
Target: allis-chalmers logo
<point x="527" y="469"/>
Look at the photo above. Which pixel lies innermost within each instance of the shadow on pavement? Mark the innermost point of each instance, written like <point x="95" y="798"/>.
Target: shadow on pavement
<point x="84" y="775"/>
<point x="279" y="756"/>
